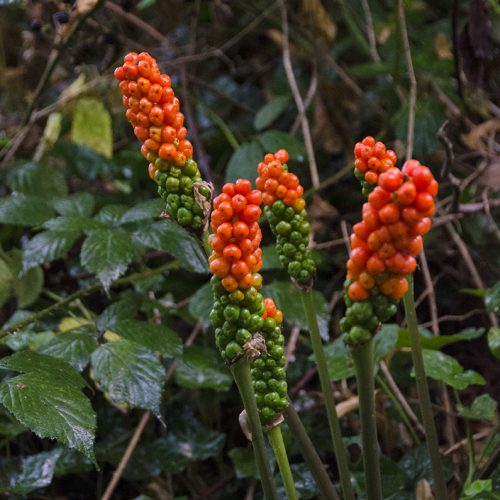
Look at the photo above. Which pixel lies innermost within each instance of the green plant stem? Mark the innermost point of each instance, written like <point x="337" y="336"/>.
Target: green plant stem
<point x="423" y="394"/>
<point x="276" y="440"/>
<point x="81" y="293"/>
<point x="326" y="387"/>
<point x="363" y="358"/>
<point x="310" y="454"/>
<point x="243" y="379"/>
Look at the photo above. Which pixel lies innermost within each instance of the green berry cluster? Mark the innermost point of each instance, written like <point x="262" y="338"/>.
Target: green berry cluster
<point x="236" y="317"/>
<point x="177" y="188"/>
<point x="292" y="230"/>
<point x="362" y="318"/>
<point x="268" y="370"/>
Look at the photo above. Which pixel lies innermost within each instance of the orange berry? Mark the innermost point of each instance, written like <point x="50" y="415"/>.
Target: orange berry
<point x="229" y="283"/>
<point x="281" y="155"/>
<point x="357" y="291"/>
<point x="219" y="267"/>
<point x="167" y="151"/>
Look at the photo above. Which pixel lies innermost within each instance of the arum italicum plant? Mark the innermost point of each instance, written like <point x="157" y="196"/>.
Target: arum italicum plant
<point x="286" y="213"/>
<point x="380" y="267"/>
<point x="154" y="113"/>
<point x="247" y="327"/>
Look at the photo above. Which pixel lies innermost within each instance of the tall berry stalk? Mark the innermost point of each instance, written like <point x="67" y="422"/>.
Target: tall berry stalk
<point x="247" y="327"/>
<point x="383" y="250"/>
<point x="287" y="216"/>
<point x="154" y="113"/>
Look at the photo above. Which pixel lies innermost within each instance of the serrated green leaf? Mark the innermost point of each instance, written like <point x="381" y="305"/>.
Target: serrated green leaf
<point x="91" y="126"/>
<point x="81" y="204"/>
<point x="33" y="472"/>
<point x="201" y="368"/>
<point x="492" y="299"/>
<point x="158" y="338"/>
<point x="111" y="215"/>
<point x="55" y="386"/>
<point x="125" y="308"/>
<point x="273" y="140"/>
<point x="35" y="179"/>
<point x="47" y="246"/>
<point x="28" y="287"/>
<point x="201" y="304"/>
<point x="6" y="281"/>
<point x="482" y="408"/>
<point x="169" y="237"/>
<point x="22" y="210"/>
<point x="74" y="346"/>
<point x="438" y="341"/>
<point x="146" y="210"/>
<point x="130" y="374"/>
<point x="243" y="162"/>
<point x="27" y="339"/>
<point x="73" y="223"/>
<point x="440" y="366"/>
<point x="270" y="111"/>
<point x="494" y="341"/>
<point x="243" y="462"/>
<point x="107" y="253"/>
<point x="288" y="299"/>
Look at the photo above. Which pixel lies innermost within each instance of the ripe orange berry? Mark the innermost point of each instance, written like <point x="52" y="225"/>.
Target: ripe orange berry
<point x="357" y="291"/>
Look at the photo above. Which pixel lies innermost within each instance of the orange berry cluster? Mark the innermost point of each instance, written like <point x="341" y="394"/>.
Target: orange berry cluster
<point x="153" y="111"/>
<point x="384" y="246"/>
<point x="285" y="210"/>
<point x="236" y="258"/>
<point x="236" y="253"/>
<point x="371" y="159"/>
<point x="268" y="370"/>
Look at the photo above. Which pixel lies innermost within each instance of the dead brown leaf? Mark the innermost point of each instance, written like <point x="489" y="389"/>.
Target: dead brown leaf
<point x="442" y="47"/>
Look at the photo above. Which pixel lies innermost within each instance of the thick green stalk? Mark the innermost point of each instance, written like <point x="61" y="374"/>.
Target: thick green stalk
<point x="310" y="454"/>
<point x="423" y="395"/>
<point x="362" y="356"/>
<point x="276" y="440"/>
<point x="326" y="387"/>
<point x="243" y="378"/>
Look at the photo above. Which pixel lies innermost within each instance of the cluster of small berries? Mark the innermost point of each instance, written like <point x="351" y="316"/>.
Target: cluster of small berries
<point x="384" y="246"/>
<point x="153" y="111"/>
<point x="285" y="210"/>
<point x="268" y="370"/>
<point x="235" y="242"/>
<point x="371" y="159"/>
<point x="235" y="261"/>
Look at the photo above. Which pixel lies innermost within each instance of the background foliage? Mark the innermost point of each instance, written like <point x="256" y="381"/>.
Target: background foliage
<point x="105" y="303"/>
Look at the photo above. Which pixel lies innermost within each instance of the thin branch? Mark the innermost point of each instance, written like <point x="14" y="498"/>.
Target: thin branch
<point x="370" y="31"/>
<point x="430" y="293"/>
<point x="306" y="130"/>
<point x="466" y="256"/>
<point x="400" y="397"/>
<point x="126" y="456"/>
<point x="412" y="100"/>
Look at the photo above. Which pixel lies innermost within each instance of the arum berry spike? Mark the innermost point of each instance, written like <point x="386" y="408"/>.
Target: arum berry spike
<point x="371" y="159"/>
<point x="154" y="112"/>
<point x="383" y="250"/>
<point x="282" y="195"/>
